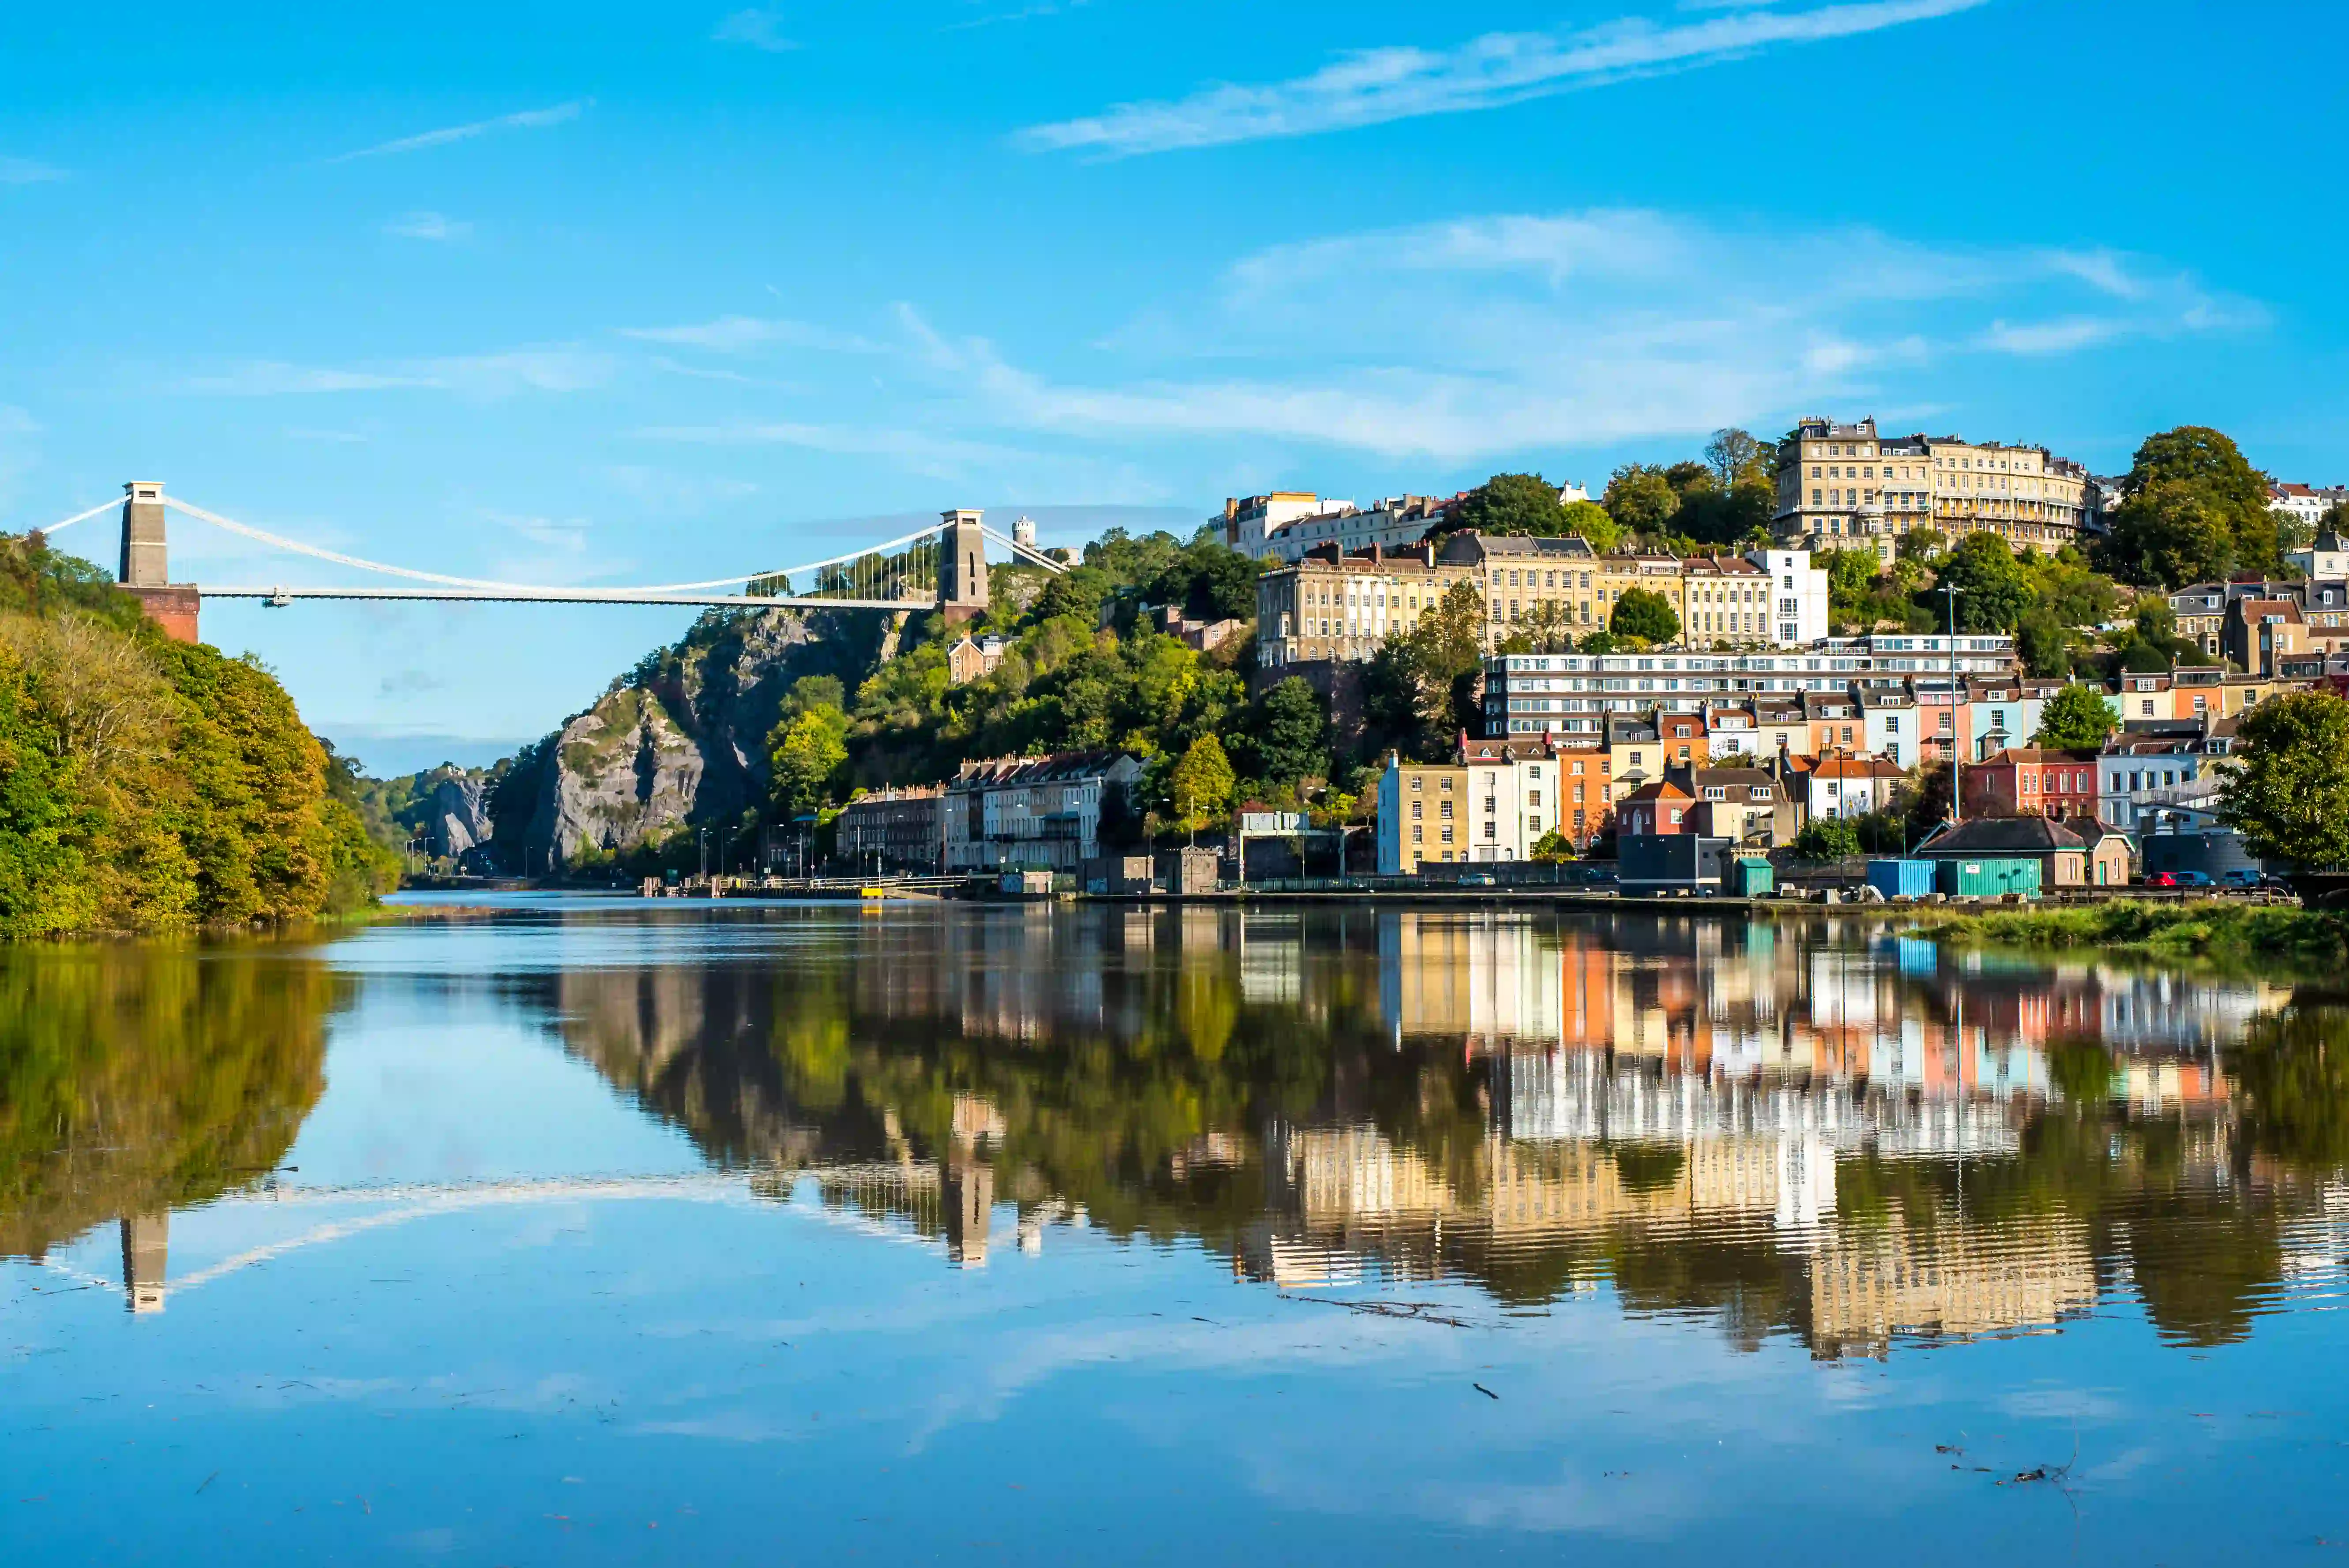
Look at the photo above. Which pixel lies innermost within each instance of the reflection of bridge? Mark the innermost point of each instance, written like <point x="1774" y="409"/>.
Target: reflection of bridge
<point x="942" y="566"/>
<point x="922" y="1199"/>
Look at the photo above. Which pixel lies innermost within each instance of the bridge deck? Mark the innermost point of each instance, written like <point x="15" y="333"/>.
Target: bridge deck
<point x="568" y="596"/>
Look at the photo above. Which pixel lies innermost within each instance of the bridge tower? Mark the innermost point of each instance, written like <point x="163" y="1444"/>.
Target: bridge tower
<point x="146" y="573"/>
<point x="145" y="1250"/>
<point x="962" y="565"/>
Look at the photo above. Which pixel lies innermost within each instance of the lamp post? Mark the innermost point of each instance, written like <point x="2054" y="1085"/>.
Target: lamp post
<point x="1957" y="697"/>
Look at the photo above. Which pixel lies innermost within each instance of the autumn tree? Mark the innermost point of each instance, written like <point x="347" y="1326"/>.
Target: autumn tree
<point x="1200" y="785"/>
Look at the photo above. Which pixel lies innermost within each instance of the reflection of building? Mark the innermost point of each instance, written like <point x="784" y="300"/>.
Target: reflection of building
<point x="145" y="1252"/>
<point x="1870" y="1282"/>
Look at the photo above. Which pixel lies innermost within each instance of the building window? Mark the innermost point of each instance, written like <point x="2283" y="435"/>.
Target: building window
<point x="1418" y="834"/>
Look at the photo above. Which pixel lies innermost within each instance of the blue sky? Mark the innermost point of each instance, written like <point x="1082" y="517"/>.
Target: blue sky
<point x="592" y="294"/>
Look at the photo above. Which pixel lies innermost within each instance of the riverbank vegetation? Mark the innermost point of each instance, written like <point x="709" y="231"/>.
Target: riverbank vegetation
<point x="2205" y="930"/>
<point x="149" y="785"/>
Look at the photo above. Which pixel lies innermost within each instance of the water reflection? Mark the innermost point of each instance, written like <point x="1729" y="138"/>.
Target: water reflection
<point x="135" y="1081"/>
<point x="1805" y="1129"/>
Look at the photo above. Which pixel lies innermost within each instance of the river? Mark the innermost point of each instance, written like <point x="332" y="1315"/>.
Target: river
<point x="591" y="1231"/>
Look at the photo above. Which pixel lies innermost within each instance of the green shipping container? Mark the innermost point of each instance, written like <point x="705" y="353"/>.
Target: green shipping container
<point x="1753" y="879"/>
<point x="1988" y="877"/>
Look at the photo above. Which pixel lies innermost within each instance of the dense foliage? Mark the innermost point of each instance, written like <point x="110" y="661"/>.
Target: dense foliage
<point x="147" y="784"/>
<point x="2193" y="509"/>
<point x="2288" y="792"/>
<point x="1081" y="669"/>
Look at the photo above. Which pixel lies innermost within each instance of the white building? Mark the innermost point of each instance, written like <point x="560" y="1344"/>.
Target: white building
<point x="2307" y="504"/>
<point x="1842" y="785"/>
<point x="1888" y="716"/>
<point x="1250" y="521"/>
<point x="1571" y="694"/>
<point x="1394" y="523"/>
<point x="1032" y="813"/>
<point x="2325" y="558"/>
<point x="1798" y="596"/>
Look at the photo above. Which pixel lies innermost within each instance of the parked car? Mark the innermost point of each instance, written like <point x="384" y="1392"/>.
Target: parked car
<point x="1480" y="879"/>
<point x="2242" y="876"/>
<point x="2179" y="879"/>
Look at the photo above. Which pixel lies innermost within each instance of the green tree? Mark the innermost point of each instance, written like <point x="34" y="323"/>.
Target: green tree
<point x="1737" y="456"/>
<point x="1995" y="590"/>
<point x="1641" y="498"/>
<point x="2171" y="533"/>
<point x="1590" y="521"/>
<point x="2288" y="790"/>
<point x="1289" y="732"/>
<point x="1553" y="848"/>
<point x="1512" y="504"/>
<point x="1200" y="786"/>
<point x="1825" y="839"/>
<point x="808" y="755"/>
<point x="2043" y="645"/>
<point x="2076" y="718"/>
<point x="2196" y="460"/>
<point x="1646" y="616"/>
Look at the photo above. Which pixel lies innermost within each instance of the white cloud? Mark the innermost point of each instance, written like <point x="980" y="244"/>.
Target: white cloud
<point x="1371" y="86"/>
<point x="1497" y="335"/>
<point x="525" y="120"/>
<point x="740" y="334"/>
<point x="555" y="368"/>
<point x="427" y="226"/>
<point x="27" y="172"/>
<point x="759" y="29"/>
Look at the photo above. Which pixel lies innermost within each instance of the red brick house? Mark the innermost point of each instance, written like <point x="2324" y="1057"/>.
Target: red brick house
<point x="2033" y="781"/>
<point x="1662" y="806"/>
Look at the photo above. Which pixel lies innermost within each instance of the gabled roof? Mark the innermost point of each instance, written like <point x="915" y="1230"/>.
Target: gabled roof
<point x="1844" y="765"/>
<point x="1660" y="789"/>
<point x="2001" y="836"/>
<point x="2030" y="756"/>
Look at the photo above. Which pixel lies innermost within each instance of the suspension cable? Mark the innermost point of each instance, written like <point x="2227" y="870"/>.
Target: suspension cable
<point x="81" y="516"/>
<point x="279" y="542"/>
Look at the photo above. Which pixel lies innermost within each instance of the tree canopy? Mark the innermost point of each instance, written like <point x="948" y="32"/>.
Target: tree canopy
<point x="1512" y="504"/>
<point x="1200" y="784"/>
<point x="2076" y="718"/>
<point x="2192" y="510"/>
<point x="1647" y="616"/>
<point x="2288" y="790"/>
<point x="1641" y="498"/>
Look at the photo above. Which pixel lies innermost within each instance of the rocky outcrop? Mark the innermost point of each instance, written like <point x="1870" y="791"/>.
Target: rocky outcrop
<point x="682" y="739"/>
<point x="455" y="811"/>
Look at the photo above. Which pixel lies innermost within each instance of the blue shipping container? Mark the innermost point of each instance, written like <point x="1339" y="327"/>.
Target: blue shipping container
<point x="1901" y="879"/>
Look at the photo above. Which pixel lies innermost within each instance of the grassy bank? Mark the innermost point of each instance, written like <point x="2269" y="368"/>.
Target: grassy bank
<point x="2209" y="931"/>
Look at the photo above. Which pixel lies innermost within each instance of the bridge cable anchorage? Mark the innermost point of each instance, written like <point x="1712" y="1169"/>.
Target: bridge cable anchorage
<point x="107" y="505"/>
<point x="869" y="561"/>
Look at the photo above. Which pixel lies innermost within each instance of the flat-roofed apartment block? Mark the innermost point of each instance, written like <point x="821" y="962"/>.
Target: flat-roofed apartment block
<point x="1327" y="605"/>
<point x="1836" y="482"/>
<point x="1570" y="693"/>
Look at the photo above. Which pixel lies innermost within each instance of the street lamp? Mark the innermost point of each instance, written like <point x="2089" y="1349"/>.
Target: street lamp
<point x="1956" y="698"/>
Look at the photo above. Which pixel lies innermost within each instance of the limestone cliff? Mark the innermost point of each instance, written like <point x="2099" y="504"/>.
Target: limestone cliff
<point x="454" y="812"/>
<point x="678" y="741"/>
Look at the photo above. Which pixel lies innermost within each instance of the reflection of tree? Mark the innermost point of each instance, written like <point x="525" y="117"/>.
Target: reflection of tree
<point x="1173" y="1083"/>
<point x="2292" y="1072"/>
<point x="134" y="1080"/>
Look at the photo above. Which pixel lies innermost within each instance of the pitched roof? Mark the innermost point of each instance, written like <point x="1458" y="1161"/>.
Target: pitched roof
<point x="2001" y="836"/>
<point x="1844" y="765"/>
<point x="1660" y="789"/>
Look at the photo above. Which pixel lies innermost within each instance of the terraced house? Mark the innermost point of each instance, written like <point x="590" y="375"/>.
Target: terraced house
<point x="1846" y="486"/>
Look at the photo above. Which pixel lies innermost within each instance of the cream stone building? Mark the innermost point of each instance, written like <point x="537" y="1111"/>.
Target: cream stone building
<point x="1838" y="482"/>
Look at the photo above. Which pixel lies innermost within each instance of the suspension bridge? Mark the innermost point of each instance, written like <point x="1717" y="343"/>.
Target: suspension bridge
<point x="941" y="566"/>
